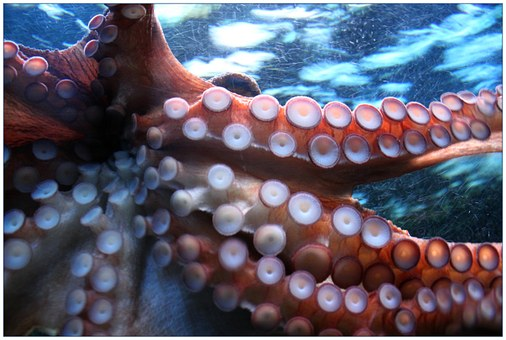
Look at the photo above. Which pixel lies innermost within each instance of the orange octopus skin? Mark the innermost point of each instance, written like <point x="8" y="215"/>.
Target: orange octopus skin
<point x="117" y="170"/>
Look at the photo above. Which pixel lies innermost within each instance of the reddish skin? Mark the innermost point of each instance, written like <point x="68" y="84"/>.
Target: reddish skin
<point x="147" y="75"/>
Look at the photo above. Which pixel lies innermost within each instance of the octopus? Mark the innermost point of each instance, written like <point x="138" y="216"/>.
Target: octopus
<point x="122" y="169"/>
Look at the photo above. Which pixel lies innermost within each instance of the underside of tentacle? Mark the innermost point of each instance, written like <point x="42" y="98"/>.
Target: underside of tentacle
<point x="115" y="152"/>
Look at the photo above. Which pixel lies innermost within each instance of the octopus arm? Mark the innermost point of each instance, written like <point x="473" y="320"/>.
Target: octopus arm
<point x="70" y="63"/>
<point x="137" y="164"/>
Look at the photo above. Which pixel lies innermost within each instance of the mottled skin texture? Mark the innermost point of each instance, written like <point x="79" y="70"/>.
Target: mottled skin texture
<point x="115" y="113"/>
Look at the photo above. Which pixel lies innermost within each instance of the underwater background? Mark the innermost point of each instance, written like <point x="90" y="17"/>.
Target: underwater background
<point x="350" y="53"/>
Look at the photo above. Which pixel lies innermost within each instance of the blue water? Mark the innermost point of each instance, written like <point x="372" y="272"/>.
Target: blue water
<point x="351" y="53"/>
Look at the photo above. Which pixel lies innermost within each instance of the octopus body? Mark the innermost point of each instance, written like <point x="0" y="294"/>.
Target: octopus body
<point x="120" y="166"/>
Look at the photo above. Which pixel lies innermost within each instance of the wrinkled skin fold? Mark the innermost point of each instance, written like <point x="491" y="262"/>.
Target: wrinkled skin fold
<point x="128" y="178"/>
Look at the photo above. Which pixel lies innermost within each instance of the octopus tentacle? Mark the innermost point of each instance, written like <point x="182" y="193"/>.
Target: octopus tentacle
<point x="336" y="153"/>
<point x="251" y="197"/>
